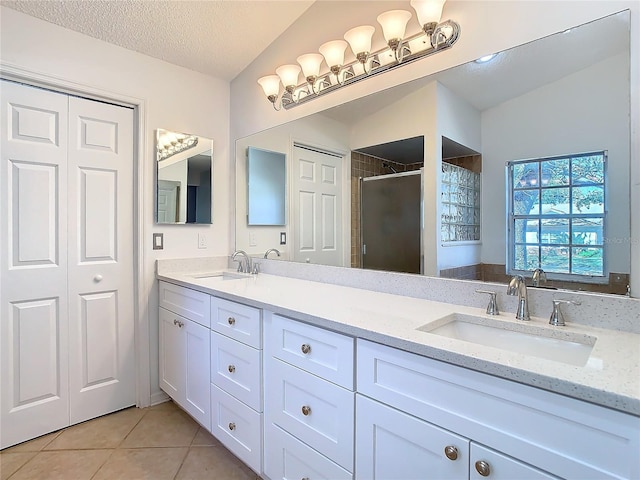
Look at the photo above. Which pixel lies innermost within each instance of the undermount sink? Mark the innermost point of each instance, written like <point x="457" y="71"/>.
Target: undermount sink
<point x="557" y="345"/>
<point x="219" y="276"/>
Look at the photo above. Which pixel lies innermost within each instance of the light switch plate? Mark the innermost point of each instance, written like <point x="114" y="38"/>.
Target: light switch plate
<point x="158" y="241"/>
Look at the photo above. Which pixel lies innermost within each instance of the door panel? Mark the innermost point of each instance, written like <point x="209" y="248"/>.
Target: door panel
<point x="33" y="263"/>
<point x="99" y="327"/>
<point x="317" y="184"/>
<point x="33" y="214"/>
<point x="99" y="191"/>
<point x="34" y="328"/>
<point x="101" y="377"/>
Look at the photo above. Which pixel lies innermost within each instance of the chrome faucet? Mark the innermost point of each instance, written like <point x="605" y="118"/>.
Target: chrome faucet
<point x="244" y="266"/>
<point x="538" y="277"/>
<point x="518" y="287"/>
<point x="271" y="250"/>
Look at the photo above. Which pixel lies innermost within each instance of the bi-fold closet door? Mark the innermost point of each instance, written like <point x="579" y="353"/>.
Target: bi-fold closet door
<point x="66" y="243"/>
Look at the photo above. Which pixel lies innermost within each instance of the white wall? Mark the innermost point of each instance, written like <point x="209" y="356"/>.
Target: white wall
<point x="549" y="121"/>
<point x="458" y="121"/>
<point x="318" y="131"/>
<point x="173" y="98"/>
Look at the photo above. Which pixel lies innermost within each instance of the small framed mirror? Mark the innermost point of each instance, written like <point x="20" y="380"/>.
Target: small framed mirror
<point x="267" y="179"/>
<point x="183" y="178"/>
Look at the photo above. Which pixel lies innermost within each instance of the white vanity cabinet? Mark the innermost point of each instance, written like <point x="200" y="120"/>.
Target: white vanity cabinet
<point x="309" y="401"/>
<point x="236" y="379"/>
<point x="500" y="429"/>
<point x="184" y="349"/>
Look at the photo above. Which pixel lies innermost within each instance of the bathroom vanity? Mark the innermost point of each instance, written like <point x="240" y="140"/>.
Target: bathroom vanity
<point x="304" y="379"/>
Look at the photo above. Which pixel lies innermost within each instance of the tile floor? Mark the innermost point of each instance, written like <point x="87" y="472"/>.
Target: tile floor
<point x="156" y="443"/>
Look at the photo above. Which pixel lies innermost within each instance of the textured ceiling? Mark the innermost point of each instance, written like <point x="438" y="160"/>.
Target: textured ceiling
<point x="218" y="38"/>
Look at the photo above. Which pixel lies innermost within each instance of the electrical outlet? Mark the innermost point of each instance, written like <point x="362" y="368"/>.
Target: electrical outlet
<point x="202" y="240"/>
<point x="253" y="239"/>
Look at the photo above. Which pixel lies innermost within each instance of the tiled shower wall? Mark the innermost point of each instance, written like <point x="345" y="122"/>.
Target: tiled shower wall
<point x="363" y="166"/>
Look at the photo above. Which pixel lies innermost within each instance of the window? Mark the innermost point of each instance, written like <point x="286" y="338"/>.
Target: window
<point x="557" y="215"/>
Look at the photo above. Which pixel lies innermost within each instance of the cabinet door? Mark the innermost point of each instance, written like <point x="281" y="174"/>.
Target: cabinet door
<point x="197" y="372"/>
<point x="391" y="445"/>
<point x="487" y="463"/>
<point x="171" y="355"/>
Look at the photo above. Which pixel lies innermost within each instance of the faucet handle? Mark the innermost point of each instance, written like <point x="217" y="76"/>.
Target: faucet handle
<point x="556" y="314"/>
<point x="492" y="307"/>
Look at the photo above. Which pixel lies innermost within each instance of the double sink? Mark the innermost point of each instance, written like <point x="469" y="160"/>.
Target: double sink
<point x="555" y="344"/>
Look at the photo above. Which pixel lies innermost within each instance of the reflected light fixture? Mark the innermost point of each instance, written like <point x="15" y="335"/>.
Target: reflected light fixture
<point x="486" y="58"/>
<point x="434" y="36"/>
<point x="171" y="143"/>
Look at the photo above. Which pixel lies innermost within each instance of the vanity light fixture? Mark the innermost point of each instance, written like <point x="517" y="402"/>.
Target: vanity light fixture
<point x="434" y="36"/>
<point x="171" y="143"/>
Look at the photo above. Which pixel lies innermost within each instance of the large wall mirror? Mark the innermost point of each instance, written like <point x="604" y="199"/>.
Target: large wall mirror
<point x="562" y="95"/>
<point x="183" y="178"/>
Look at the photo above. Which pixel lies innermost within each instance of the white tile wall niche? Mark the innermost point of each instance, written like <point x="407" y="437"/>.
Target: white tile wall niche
<point x="598" y="310"/>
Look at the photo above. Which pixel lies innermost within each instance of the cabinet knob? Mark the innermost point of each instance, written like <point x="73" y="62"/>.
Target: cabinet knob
<point x="306" y="348"/>
<point x="231" y="321"/>
<point x="232" y="426"/>
<point x="97" y="278"/>
<point x="451" y="452"/>
<point x="483" y="468"/>
<point x="231" y="368"/>
<point x="306" y="411"/>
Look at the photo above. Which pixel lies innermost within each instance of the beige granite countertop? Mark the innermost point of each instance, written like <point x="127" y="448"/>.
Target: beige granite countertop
<point x="611" y="376"/>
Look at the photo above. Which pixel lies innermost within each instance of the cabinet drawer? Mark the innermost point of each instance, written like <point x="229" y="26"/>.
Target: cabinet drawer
<point x="318" y="412"/>
<point x="287" y="457"/>
<point x="564" y="436"/>
<point x="238" y="427"/>
<point x="189" y="303"/>
<point x="237" y="321"/>
<point x="500" y="467"/>
<point x="327" y="354"/>
<point x="237" y="369"/>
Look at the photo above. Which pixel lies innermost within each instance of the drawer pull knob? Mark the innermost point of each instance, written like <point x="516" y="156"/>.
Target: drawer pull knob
<point x="451" y="452"/>
<point x="306" y="411"/>
<point x="232" y="426"/>
<point x="483" y="468"/>
<point x="306" y="348"/>
<point x="231" y="321"/>
<point x="231" y="368"/>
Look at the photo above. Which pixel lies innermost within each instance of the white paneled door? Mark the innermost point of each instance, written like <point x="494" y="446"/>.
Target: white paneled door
<point x="317" y="185"/>
<point x="66" y="236"/>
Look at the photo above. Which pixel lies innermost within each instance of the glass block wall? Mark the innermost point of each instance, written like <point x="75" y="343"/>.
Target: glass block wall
<point x="460" y="204"/>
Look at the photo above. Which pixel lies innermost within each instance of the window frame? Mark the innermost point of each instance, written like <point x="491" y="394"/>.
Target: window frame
<point x="511" y="217"/>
